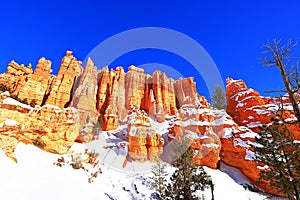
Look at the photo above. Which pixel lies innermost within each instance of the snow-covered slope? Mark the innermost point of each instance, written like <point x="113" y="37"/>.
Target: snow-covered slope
<point x="35" y="177"/>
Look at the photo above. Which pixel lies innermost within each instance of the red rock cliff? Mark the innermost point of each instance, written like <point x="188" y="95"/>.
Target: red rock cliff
<point x="156" y="109"/>
<point x="250" y="109"/>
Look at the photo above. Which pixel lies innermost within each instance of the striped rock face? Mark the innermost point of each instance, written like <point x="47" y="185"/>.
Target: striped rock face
<point x="138" y="115"/>
<point x="249" y="109"/>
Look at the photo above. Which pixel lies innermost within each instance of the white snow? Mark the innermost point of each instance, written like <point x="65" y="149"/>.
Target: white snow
<point x="11" y="101"/>
<point x="221" y="118"/>
<point x="10" y="122"/>
<point x="240" y="142"/>
<point x="191" y="110"/>
<point x="186" y="98"/>
<point x="192" y="122"/>
<point x="239" y="94"/>
<point x="74" y="110"/>
<point x="229" y="183"/>
<point x="70" y="121"/>
<point x="240" y="104"/>
<point x="250" y="155"/>
<point x="133" y="130"/>
<point x="194" y="135"/>
<point x="249" y="134"/>
<point x="230" y="81"/>
<point x="228" y="132"/>
<point x="211" y="145"/>
<point x="5" y="93"/>
<point x="52" y="107"/>
<point x="263" y="167"/>
<point x="35" y="177"/>
<point x="254" y="124"/>
<point x="254" y="144"/>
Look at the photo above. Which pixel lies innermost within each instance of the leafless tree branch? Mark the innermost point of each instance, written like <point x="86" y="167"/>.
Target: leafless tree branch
<point x="281" y="58"/>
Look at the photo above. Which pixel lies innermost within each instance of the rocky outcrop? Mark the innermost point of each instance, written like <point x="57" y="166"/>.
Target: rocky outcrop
<point x="237" y="147"/>
<point x="155" y="108"/>
<point x="135" y="84"/>
<point x="156" y="97"/>
<point x="159" y="96"/>
<point x="36" y="85"/>
<point x="40" y="87"/>
<point x="61" y="88"/>
<point x="18" y="70"/>
<point x="15" y="76"/>
<point x="48" y="127"/>
<point x="111" y="97"/>
<point x="250" y="109"/>
<point x="156" y="94"/>
<point x="186" y="91"/>
<point x="196" y="121"/>
<point x="144" y="143"/>
<point x="84" y="97"/>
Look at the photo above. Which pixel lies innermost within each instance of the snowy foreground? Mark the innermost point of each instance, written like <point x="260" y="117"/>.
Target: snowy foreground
<point x="36" y="177"/>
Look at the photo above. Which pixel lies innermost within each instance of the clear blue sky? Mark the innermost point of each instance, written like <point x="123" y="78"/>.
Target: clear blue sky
<point x="232" y="32"/>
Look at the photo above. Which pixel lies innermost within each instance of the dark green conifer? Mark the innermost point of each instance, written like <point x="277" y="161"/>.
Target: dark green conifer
<point x="218" y="98"/>
<point x="278" y="150"/>
<point x="159" y="180"/>
<point x="187" y="178"/>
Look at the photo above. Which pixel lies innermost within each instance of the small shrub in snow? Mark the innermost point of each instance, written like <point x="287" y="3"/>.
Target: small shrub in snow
<point x="87" y="161"/>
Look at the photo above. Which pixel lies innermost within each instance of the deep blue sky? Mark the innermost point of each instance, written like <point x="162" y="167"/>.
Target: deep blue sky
<point x="232" y="32"/>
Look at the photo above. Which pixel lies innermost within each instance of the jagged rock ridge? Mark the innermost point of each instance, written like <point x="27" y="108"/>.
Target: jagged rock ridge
<point x="104" y="99"/>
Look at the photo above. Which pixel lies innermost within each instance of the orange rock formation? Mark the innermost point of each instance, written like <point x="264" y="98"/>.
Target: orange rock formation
<point x="77" y="98"/>
<point x="48" y="127"/>
<point x="250" y="109"/>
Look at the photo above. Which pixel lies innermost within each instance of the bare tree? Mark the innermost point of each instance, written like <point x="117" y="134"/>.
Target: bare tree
<point x="279" y="55"/>
<point x="277" y="147"/>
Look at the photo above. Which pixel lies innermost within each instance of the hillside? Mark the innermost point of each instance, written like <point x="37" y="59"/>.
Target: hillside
<point x="130" y="120"/>
<point x="35" y="177"/>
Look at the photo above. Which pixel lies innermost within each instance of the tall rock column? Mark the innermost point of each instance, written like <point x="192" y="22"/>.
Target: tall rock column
<point x="84" y="97"/>
<point x="61" y="89"/>
<point x="162" y="89"/>
<point x="135" y="84"/>
<point x="15" y="76"/>
<point x="185" y="90"/>
<point x="35" y="87"/>
<point x="111" y="97"/>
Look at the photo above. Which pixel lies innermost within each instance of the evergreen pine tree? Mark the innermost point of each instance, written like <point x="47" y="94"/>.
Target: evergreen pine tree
<point x="277" y="148"/>
<point x="187" y="178"/>
<point x="218" y="98"/>
<point x="159" y="181"/>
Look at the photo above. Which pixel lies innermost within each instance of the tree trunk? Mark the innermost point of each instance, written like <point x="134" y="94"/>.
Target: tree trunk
<point x="212" y="190"/>
<point x="289" y="90"/>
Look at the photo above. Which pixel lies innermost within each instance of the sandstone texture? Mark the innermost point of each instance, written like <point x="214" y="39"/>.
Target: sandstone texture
<point x="48" y="127"/>
<point x="158" y="95"/>
<point x="248" y="108"/>
<point x="144" y="143"/>
<point x="40" y="87"/>
<point x="84" y="97"/>
<point x="37" y="84"/>
<point x="61" y="88"/>
<point x="250" y="111"/>
<point x="151" y="112"/>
